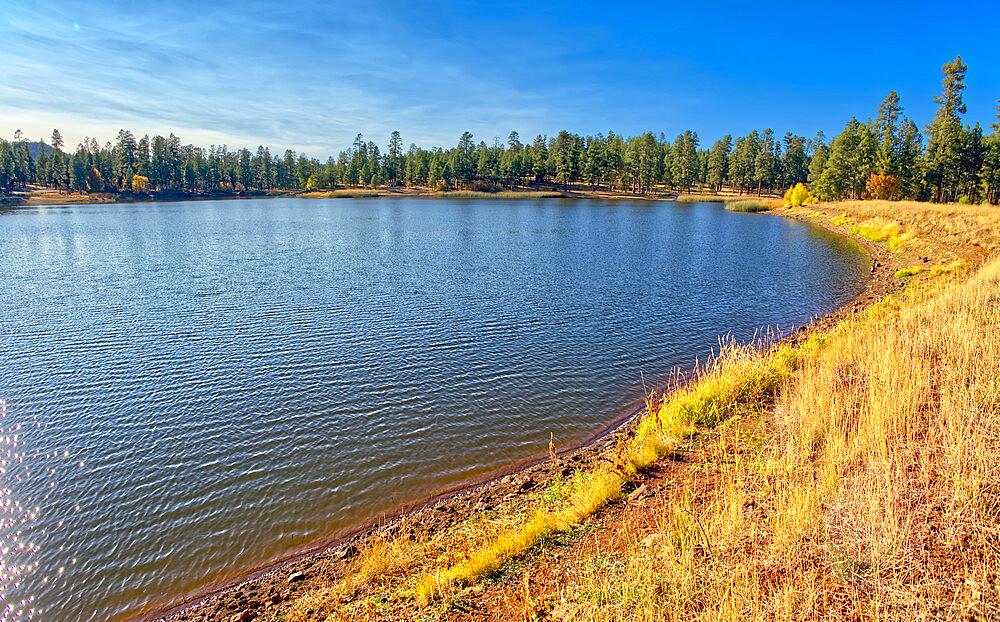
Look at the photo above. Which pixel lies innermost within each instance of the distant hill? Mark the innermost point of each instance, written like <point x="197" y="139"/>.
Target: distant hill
<point x="34" y="146"/>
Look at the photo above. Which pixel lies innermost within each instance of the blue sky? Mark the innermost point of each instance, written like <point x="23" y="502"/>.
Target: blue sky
<point x="310" y="75"/>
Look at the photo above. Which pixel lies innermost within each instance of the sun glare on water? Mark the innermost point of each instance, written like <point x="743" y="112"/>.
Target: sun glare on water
<point x="17" y="516"/>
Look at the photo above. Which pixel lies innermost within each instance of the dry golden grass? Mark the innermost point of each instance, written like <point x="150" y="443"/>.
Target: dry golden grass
<point x="344" y="193"/>
<point x="753" y="205"/>
<point x="855" y="476"/>
<point x="942" y="228"/>
<point x="711" y="197"/>
<point x="870" y="491"/>
<point x="702" y="198"/>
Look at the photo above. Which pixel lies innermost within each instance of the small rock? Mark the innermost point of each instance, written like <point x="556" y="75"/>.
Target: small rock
<point x="651" y="540"/>
<point x="566" y="471"/>
<point x="347" y="552"/>
<point x="527" y="484"/>
<point x="638" y="493"/>
<point x="242" y="616"/>
<point x="296" y="576"/>
<point x="565" y="611"/>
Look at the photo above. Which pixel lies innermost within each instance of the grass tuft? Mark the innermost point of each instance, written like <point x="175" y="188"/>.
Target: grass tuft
<point x="881" y="229"/>
<point x="905" y="272"/>
<point x="753" y="205"/>
<point x="701" y="198"/>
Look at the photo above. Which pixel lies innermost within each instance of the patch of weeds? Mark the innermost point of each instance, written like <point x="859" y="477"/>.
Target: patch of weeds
<point x="841" y="221"/>
<point x="562" y="488"/>
<point x="905" y="272"/>
<point x="883" y="230"/>
<point x="945" y="268"/>
<point x="747" y="206"/>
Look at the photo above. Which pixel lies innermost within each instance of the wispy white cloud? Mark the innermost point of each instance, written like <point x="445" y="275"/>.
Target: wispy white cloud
<point x="242" y="73"/>
<point x="310" y="74"/>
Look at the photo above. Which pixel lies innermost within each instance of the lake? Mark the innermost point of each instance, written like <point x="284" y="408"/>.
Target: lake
<point x="190" y="390"/>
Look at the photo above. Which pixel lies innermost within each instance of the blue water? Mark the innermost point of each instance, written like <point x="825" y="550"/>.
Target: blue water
<point x="189" y="390"/>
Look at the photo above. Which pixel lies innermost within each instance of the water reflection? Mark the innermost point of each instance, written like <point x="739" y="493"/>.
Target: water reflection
<point x="17" y="523"/>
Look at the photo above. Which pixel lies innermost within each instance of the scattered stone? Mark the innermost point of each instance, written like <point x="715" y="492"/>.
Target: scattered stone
<point x="651" y="540"/>
<point x="565" y="612"/>
<point x="347" y="552"/>
<point x="296" y="576"/>
<point x="242" y="616"/>
<point x="639" y="493"/>
<point x="527" y="484"/>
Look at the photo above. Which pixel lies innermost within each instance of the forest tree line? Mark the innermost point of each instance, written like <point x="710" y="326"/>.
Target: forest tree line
<point x="887" y="156"/>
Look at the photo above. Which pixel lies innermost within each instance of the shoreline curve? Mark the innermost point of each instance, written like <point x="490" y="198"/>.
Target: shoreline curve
<point x="453" y="504"/>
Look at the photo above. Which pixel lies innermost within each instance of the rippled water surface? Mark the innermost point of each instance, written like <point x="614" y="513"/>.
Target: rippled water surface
<point x="189" y="390"/>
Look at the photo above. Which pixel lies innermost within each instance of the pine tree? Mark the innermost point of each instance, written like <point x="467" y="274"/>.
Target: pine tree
<point x="944" y="134"/>
<point x="991" y="162"/>
<point x="6" y="165"/>
<point x="795" y="161"/>
<point x="718" y="162"/>
<point x="764" y="162"/>
<point x="125" y="156"/>
<point x="887" y="127"/>
<point x="840" y="171"/>
<point x="394" y="161"/>
<point x="744" y="161"/>
<point x="690" y="165"/>
<point x="972" y="153"/>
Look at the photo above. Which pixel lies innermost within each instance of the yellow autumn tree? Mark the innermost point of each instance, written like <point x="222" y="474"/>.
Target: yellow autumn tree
<point x="95" y="183"/>
<point x="311" y="184"/>
<point x="882" y="186"/>
<point x="798" y="196"/>
<point x="140" y="184"/>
